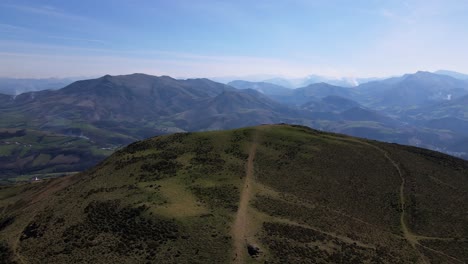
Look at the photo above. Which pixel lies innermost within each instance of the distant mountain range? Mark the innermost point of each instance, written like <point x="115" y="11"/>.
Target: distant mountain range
<point x="453" y="74"/>
<point x="411" y="90"/>
<point x="422" y="109"/>
<point x="111" y="109"/>
<point x="296" y="82"/>
<point x="262" y="87"/>
<point x="311" y="79"/>
<point x="14" y="86"/>
<point x="404" y="109"/>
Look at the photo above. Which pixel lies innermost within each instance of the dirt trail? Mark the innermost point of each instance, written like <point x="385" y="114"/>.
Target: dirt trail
<point x="418" y="237"/>
<point x="410" y="237"/>
<point x="406" y="232"/>
<point x="443" y="254"/>
<point x="239" y="228"/>
<point x="340" y="237"/>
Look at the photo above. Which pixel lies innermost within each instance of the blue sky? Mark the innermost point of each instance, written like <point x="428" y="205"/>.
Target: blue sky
<point x="201" y="38"/>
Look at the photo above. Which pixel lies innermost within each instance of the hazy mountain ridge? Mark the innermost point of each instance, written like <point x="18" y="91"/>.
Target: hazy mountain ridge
<point x="456" y="108"/>
<point x="453" y="74"/>
<point x="411" y="90"/>
<point x="233" y="109"/>
<point x="15" y="86"/>
<point x="331" y="103"/>
<point x="410" y="102"/>
<point x="115" y="110"/>
<point x="298" y="96"/>
<point x="263" y="87"/>
<point x="311" y="79"/>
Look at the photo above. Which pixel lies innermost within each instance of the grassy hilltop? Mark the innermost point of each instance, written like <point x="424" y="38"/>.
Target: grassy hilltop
<point x="275" y="193"/>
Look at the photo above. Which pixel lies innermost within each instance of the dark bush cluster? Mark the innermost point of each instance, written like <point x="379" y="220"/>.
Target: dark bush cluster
<point x="159" y="169"/>
<point x="202" y="146"/>
<point x="225" y="196"/>
<point x="168" y="153"/>
<point x="156" y="143"/>
<point x="138" y="146"/>
<point x="206" y="160"/>
<point x="33" y="230"/>
<point x="135" y="234"/>
<point x="130" y="160"/>
<point x="234" y="148"/>
<point x="6" y="221"/>
<point x="6" y="254"/>
<point x="37" y="227"/>
<point x="287" y="156"/>
<point x="209" y="160"/>
<point x="103" y="189"/>
<point x="174" y="138"/>
<point x="290" y="243"/>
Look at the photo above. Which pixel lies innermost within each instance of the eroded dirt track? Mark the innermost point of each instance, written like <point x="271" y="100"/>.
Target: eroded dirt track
<point x="240" y="226"/>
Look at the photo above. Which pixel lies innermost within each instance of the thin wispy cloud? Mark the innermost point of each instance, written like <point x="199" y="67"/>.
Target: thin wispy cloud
<point x="8" y="26"/>
<point x="46" y="49"/>
<point x="49" y="11"/>
<point x="78" y="39"/>
<point x="55" y="49"/>
<point x="12" y="28"/>
<point x="397" y="17"/>
<point x="185" y="65"/>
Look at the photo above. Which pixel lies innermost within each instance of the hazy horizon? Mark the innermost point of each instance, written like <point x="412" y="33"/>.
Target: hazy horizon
<point x="42" y="39"/>
<point x="227" y="78"/>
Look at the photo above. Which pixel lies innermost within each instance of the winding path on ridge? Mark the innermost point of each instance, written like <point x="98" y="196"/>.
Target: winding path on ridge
<point x="407" y="234"/>
<point x="239" y="228"/>
<point x="412" y="239"/>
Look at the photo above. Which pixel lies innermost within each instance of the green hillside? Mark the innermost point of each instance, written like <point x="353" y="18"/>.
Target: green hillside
<point x="266" y="194"/>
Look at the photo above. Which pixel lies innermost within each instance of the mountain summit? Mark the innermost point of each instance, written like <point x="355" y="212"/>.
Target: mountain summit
<point x="273" y="193"/>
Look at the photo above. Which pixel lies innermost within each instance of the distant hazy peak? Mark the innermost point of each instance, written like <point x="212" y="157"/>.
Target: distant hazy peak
<point x="453" y="74"/>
